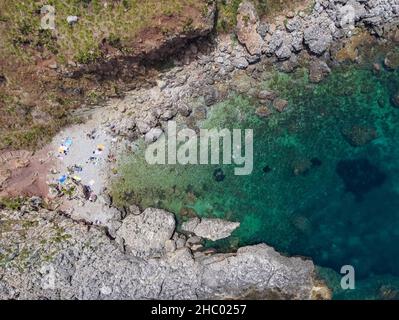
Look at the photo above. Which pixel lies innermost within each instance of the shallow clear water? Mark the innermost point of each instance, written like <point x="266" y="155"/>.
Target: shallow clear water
<point x="312" y="192"/>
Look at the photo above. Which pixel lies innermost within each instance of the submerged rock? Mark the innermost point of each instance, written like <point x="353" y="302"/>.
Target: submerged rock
<point x="210" y="96"/>
<point x="301" y="167"/>
<point x="219" y="175"/>
<point x="360" y="176"/>
<point x="280" y="104"/>
<point x="153" y="135"/>
<point x="316" y="162"/>
<point x="263" y="112"/>
<point x="395" y="100"/>
<point x="211" y="229"/>
<point x="391" y="60"/>
<point x="358" y="136"/>
<point x="318" y="38"/>
<point x="267" y="95"/>
<point x="318" y="70"/>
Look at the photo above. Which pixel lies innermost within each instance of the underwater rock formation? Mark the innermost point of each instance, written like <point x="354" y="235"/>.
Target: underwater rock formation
<point x="360" y="176"/>
<point x="359" y="135"/>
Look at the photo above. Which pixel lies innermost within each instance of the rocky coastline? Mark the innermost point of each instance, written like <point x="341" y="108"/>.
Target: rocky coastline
<point x="130" y="253"/>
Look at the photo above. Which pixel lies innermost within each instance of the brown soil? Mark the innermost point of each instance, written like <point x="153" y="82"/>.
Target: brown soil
<point x="36" y="98"/>
<point x="24" y="174"/>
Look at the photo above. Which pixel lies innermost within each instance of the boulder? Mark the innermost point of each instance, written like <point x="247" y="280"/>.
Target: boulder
<point x="267" y="95"/>
<point x="280" y="104"/>
<point x="126" y="127"/>
<point x="282" y="44"/>
<point x="318" y="70"/>
<point x="297" y="41"/>
<point x="146" y="234"/>
<point x="211" y="229"/>
<point x="318" y="38"/>
<point x="301" y="167"/>
<point x="210" y="96"/>
<point x="395" y="100"/>
<point x="247" y="26"/>
<point x="168" y="114"/>
<point x="263" y="112"/>
<point x="184" y="110"/>
<point x="263" y="29"/>
<point x="153" y="135"/>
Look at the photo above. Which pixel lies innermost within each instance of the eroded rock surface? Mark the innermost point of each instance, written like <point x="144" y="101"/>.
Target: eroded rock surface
<point x="53" y="257"/>
<point x="146" y="234"/>
<point x="247" y="26"/>
<point x="212" y="229"/>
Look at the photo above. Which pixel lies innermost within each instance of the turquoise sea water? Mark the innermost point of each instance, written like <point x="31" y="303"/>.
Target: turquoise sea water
<point x="325" y="183"/>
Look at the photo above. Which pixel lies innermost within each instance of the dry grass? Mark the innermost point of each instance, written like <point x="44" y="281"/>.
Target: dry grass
<point x="118" y="20"/>
<point x="33" y="102"/>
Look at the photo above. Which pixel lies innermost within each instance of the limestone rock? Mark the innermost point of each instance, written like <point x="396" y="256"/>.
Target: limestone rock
<point x="146" y="234"/>
<point x="359" y="135"/>
<point x="85" y="264"/>
<point x="267" y="95"/>
<point x="247" y="26"/>
<point x="318" y="38"/>
<point x="280" y="104"/>
<point x="263" y="112"/>
<point x="153" y="135"/>
<point x="275" y="42"/>
<point x="212" y="229"/>
<point x="229" y="277"/>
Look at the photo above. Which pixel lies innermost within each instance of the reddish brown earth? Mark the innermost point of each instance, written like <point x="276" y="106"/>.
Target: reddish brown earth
<point x="23" y="173"/>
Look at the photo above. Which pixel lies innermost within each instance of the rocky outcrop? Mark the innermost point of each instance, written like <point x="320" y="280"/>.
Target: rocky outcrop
<point x="153" y="135"/>
<point x="53" y="257"/>
<point x="318" y="35"/>
<point x="247" y="28"/>
<point x="328" y="22"/>
<point x="146" y="234"/>
<point x="211" y="229"/>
